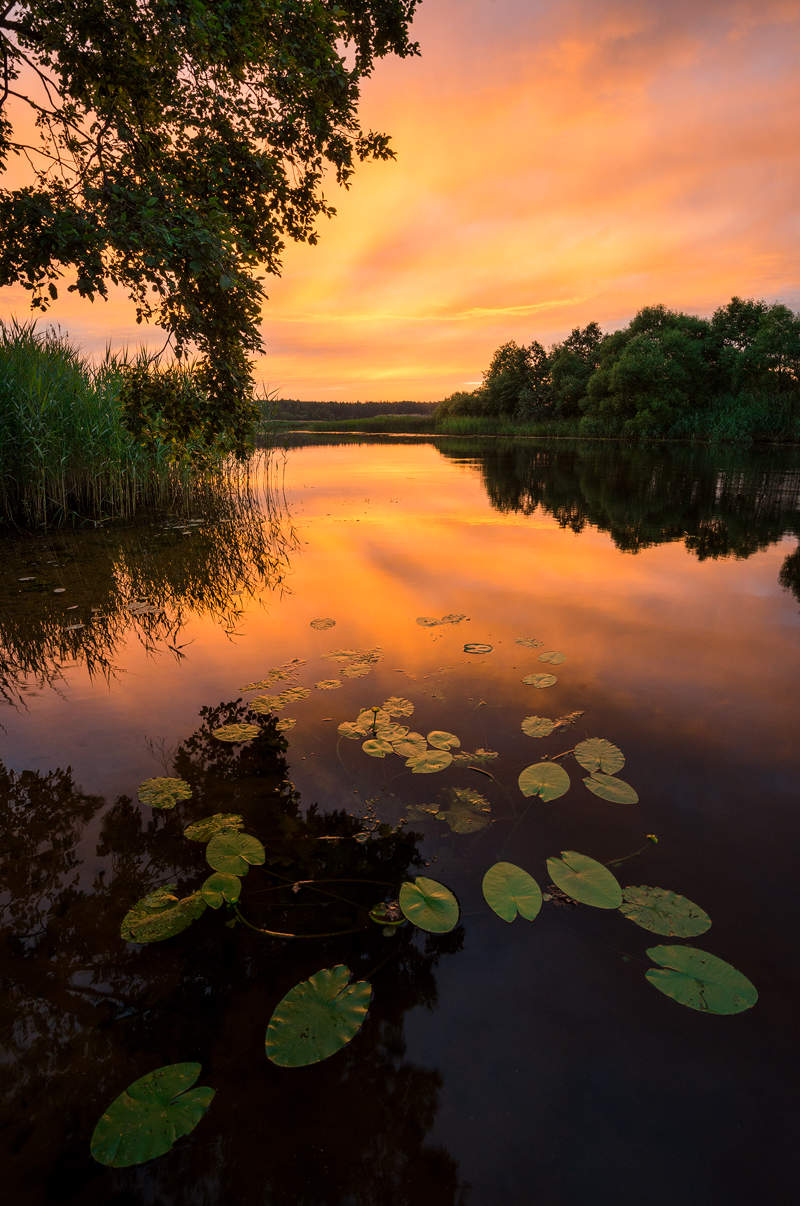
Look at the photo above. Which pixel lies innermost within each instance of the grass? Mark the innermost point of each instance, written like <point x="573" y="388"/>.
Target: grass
<point x="66" y="452"/>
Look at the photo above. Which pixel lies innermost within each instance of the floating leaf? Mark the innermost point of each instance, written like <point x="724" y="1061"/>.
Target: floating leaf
<point x="429" y="905"/>
<point x="464" y="758"/>
<point x="529" y="642"/>
<point x="547" y="780"/>
<point x="469" y="811"/>
<point x="377" y="748"/>
<point x="317" y="1018"/>
<point x="700" y="980"/>
<point x="161" y="914"/>
<point x="509" y="891"/>
<point x="443" y="741"/>
<point x="293" y="693"/>
<point x="146" y="1120"/>
<point x="163" y="793"/>
<point x="262" y="705"/>
<point x="553" y="657"/>
<point x="328" y="684"/>
<point x="356" y="670"/>
<point x="428" y="762"/>
<point x="284" y="726"/>
<point x="204" y="829"/>
<point x="391" y="732"/>
<point x="540" y="680"/>
<point x="598" y="754"/>
<point x="370" y="718"/>
<point x="236" y="733"/>
<point x="432" y="622"/>
<point x="610" y="788"/>
<point x="351" y="731"/>
<point x="219" y="887"/>
<point x="322" y="624"/>
<point x="663" y="912"/>
<point x="410" y="746"/>
<point x="564" y="722"/>
<point x="395" y="705"/>
<point x="585" y="880"/>
<point x="387" y="914"/>
<point x="477" y="647"/>
<point x="538" y="726"/>
<point x="234" y="853"/>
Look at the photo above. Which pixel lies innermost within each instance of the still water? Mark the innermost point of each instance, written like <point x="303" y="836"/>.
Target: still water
<point x="498" y="1063"/>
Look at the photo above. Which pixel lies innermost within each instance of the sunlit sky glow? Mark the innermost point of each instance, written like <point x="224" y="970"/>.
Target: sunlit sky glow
<point x="557" y="162"/>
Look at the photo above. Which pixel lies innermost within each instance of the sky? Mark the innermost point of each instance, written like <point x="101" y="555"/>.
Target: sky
<point x="557" y="162"/>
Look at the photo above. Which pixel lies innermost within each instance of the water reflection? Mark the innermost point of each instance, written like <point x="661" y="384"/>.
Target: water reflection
<point x="76" y="596"/>
<point x="85" y="1013"/>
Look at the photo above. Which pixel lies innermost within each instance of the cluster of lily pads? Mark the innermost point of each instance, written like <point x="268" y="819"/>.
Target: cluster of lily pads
<point x="321" y="1015"/>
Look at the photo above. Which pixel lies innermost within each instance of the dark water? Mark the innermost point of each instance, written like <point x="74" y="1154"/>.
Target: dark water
<point x="498" y="1063"/>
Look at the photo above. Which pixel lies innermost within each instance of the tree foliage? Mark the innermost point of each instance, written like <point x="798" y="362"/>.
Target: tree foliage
<point x="179" y="144"/>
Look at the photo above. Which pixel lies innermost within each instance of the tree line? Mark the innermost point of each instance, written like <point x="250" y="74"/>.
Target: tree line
<point x="666" y="374"/>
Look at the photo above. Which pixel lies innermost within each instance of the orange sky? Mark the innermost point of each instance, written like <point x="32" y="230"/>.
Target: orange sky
<point x="557" y="162"/>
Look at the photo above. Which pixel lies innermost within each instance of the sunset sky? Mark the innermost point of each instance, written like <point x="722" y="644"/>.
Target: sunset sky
<point x="557" y="162"/>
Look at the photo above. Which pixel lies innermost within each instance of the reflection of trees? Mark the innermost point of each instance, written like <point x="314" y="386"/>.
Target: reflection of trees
<point x="141" y="580"/>
<point x="789" y="576"/>
<point x="719" y="502"/>
<point x="85" y="1012"/>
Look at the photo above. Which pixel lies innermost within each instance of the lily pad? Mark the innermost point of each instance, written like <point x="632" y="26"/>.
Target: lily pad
<point x="510" y="892"/>
<point x="608" y="787"/>
<point x="376" y="748"/>
<point x="294" y="693"/>
<point x="700" y="980"/>
<point x="391" y="732"/>
<point x="328" y="684"/>
<point x="410" y="746"/>
<point x="478" y="647"/>
<point x="664" y="912"/>
<point x="317" y="1018"/>
<point x="547" y="780"/>
<point x="538" y="726"/>
<point x="428" y="762"/>
<point x="451" y="618"/>
<point x="351" y="731"/>
<point x="356" y="670"/>
<point x="262" y="705"/>
<point x="565" y="721"/>
<point x="219" y="887"/>
<point x="553" y="656"/>
<point x="322" y="624"/>
<point x="150" y="1116"/>
<point x="597" y="754"/>
<point x="429" y="905"/>
<point x="465" y="758"/>
<point x="529" y="642"/>
<point x="204" y="829"/>
<point x="469" y="811"/>
<point x="163" y="792"/>
<point x="540" y="680"/>
<point x="161" y="914"/>
<point x="443" y="741"/>
<point x="236" y="733"/>
<point x="234" y="853"/>
<point x="585" y="880"/>
<point x="395" y="706"/>
<point x="371" y="718"/>
<point x="285" y="725"/>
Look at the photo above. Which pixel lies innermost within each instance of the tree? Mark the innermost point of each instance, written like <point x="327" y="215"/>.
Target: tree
<point x="510" y="377"/>
<point x="571" y="365"/>
<point x="179" y="144"/>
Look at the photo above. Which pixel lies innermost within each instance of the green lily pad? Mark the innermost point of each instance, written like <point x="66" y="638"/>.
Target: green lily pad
<point x="410" y="746"/>
<point x="163" y="793"/>
<point x="700" y="980"/>
<point x="234" y="853"/>
<point x="429" y="905"/>
<point x="547" y="780"/>
<point x="161" y="914"/>
<point x="262" y="705"/>
<point x="204" y="829"/>
<point x="443" y="741"/>
<point x="219" y="887"/>
<point x="285" y="725"/>
<point x="351" y="731"/>
<point x="387" y="913"/>
<point x="328" y="684"/>
<point x="428" y="762"/>
<point x="607" y="787"/>
<point x="469" y="811"/>
<point x="236" y="733"/>
<point x="510" y="891"/>
<point x="553" y="656"/>
<point x="663" y="912"/>
<point x="376" y="748"/>
<point x="323" y="624"/>
<point x="150" y="1116"/>
<point x="538" y="726"/>
<point x="465" y="758"/>
<point x="317" y="1018"/>
<point x="432" y="622"/>
<point x="391" y="732"/>
<point x="395" y="705"/>
<point x="585" y="880"/>
<point x="294" y="693"/>
<point x="597" y="754"/>
<point x="371" y="718"/>
<point x="540" y="680"/>
<point x="529" y="642"/>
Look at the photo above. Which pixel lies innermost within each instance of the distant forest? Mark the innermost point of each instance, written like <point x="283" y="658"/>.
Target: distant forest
<point x="293" y="408"/>
<point x="735" y="376"/>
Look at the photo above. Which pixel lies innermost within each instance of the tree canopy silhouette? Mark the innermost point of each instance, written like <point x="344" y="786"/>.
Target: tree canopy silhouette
<point x="177" y="145"/>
